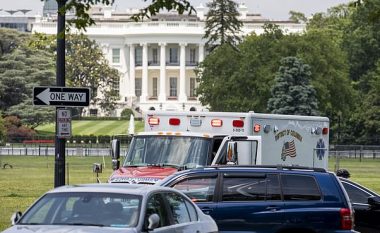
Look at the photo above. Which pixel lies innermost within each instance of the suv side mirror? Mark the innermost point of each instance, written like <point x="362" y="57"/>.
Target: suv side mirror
<point x="15" y="217"/>
<point x="232" y="153"/>
<point x="374" y="202"/>
<point x="115" y="153"/>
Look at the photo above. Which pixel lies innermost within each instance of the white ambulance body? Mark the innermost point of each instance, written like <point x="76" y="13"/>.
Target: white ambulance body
<point x="274" y="139"/>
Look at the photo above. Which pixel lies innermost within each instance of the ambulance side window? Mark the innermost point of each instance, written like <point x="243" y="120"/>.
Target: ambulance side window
<point x="223" y="155"/>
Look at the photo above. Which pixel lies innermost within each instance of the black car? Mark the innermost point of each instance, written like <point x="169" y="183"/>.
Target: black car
<point x="366" y="204"/>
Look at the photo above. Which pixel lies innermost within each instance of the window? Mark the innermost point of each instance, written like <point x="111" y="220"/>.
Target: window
<point x="356" y="195"/>
<point x="138" y="56"/>
<point x="178" y="207"/>
<point x="155" y="56"/>
<point x="154" y="87"/>
<point x="300" y="188"/>
<point x="192" y="55"/>
<point x="173" y="86"/>
<point x="116" y="56"/>
<point x="197" y="189"/>
<point x="173" y="55"/>
<point x="254" y="187"/>
<point x="192" y="211"/>
<point x="138" y="85"/>
<point x="156" y="205"/>
<point x="192" y="87"/>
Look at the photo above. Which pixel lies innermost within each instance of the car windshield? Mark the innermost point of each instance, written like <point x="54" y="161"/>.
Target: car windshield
<point x="180" y="152"/>
<point x="86" y="208"/>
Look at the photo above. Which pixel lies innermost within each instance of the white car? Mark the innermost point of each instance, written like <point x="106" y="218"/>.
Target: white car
<point x="113" y="208"/>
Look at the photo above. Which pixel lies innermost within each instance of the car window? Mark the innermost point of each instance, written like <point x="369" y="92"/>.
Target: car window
<point x="251" y="188"/>
<point x="178" y="208"/>
<point x="192" y="211"/>
<point x="197" y="189"/>
<point x="356" y="194"/>
<point x="156" y="205"/>
<point x="300" y="188"/>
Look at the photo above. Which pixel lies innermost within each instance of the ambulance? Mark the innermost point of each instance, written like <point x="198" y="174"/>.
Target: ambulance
<point x="174" y="141"/>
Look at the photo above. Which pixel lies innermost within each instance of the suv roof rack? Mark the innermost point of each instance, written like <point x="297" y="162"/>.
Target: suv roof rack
<point x="278" y="167"/>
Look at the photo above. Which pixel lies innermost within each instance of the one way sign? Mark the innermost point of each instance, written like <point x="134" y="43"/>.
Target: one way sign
<point x="61" y="96"/>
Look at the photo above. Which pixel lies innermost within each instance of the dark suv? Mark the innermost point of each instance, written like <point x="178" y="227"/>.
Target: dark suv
<point x="268" y="198"/>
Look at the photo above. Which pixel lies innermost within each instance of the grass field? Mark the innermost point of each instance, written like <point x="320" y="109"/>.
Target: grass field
<point x="102" y="127"/>
<point x="31" y="176"/>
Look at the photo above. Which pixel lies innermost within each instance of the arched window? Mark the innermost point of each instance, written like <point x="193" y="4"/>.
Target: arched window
<point x="193" y="109"/>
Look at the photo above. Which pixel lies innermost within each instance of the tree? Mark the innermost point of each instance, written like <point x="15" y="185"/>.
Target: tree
<point x="222" y="24"/>
<point x="292" y="92"/>
<point x="297" y="17"/>
<point x="3" y="132"/>
<point x="86" y="66"/>
<point x="217" y="86"/>
<point x="21" y="69"/>
<point x="30" y="115"/>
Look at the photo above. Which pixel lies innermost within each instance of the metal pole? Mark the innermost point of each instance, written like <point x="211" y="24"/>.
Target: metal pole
<point x="60" y="143"/>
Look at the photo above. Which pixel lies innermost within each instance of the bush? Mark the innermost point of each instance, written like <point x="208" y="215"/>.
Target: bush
<point x="16" y="132"/>
<point x="3" y="131"/>
<point x="126" y="113"/>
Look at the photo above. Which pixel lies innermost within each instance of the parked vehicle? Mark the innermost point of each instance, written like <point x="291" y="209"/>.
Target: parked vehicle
<point x="366" y="204"/>
<point x="113" y="208"/>
<point x="268" y="199"/>
<point x="175" y="141"/>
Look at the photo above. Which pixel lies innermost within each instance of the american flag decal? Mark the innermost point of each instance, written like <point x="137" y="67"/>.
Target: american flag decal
<point x="288" y="149"/>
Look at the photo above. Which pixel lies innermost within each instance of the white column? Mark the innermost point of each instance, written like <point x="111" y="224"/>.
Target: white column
<point x="201" y="52"/>
<point x="162" y="96"/>
<point x="182" y="74"/>
<point x="132" y="77"/>
<point x="144" y="88"/>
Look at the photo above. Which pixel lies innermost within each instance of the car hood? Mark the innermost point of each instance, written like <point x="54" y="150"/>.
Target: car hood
<point x="65" y="229"/>
<point x="136" y="175"/>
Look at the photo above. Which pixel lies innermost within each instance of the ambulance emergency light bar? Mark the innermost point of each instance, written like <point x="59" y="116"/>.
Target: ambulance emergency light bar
<point x="196" y="122"/>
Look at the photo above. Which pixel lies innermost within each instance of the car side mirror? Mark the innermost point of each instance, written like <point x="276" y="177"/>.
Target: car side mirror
<point x="231" y="153"/>
<point x="153" y="221"/>
<point x="115" y="152"/>
<point x="15" y="217"/>
<point x="374" y="202"/>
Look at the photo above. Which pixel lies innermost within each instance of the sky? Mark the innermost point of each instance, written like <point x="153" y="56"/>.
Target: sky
<point x="270" y="9"/>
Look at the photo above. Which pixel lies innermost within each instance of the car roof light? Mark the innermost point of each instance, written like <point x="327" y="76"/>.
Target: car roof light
<point x="238" y="123"/>
<point x="174" y="121"/>
<point x="153" y="121"/>
<point x="216" y="123"/>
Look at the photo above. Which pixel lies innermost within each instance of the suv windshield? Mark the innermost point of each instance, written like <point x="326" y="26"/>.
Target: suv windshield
<point x="188" y="152"/>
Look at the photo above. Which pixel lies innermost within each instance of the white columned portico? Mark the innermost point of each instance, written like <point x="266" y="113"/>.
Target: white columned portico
<point x="182" y="73"/>
<point x="132" y="77"/>
<point x="201" y="52"/>
<point x="162" y="96"/>
<point x="144" y="88"/>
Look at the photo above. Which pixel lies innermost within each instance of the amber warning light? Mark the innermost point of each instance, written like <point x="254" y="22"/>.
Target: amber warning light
<point x="216" y="123"/>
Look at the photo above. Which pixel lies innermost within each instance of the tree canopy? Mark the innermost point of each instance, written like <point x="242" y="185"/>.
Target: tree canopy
<point x="292" y="93"/>
<point x="222" y="24"/>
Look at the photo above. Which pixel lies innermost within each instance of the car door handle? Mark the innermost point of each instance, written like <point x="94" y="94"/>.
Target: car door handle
<point x="273" y="208"/>
<point x="206" y="210"/>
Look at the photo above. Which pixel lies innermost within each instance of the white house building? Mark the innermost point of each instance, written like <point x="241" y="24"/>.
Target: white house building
<point x="157" y="57"/>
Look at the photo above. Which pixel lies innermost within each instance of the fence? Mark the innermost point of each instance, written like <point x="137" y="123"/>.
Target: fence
<point x="355" y="151"/>
<point x="49" y="150"/>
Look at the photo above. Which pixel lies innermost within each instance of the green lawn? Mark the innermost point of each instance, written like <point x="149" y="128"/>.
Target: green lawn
<point x="98" y="127"/>
<point x="31" y="176"/>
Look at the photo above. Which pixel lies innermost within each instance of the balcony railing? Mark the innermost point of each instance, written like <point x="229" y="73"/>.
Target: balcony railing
<point x="172" y="63"/>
